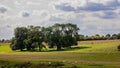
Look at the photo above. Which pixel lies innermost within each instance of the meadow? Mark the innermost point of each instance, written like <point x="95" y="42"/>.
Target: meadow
<point x="88" y="54"/>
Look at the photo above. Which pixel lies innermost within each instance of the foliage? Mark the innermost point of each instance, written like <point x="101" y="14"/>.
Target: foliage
<point x="98" y="37"/>
<point x="118" y="47"/>
<point x="63" y="35"/>
<point x="31" y="37"/>
<point x="18" y="40"/>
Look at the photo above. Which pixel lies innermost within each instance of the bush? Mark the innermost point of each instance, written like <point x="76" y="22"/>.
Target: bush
<point x="119" y="47"/>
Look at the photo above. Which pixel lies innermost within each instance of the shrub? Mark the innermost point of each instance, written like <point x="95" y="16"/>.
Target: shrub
<point x="118" y="47"/>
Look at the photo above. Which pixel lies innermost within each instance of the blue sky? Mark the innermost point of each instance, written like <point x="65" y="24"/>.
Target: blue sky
<point x="92" y="16"/>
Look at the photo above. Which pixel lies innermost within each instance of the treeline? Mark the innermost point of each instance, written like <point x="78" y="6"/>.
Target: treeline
<point x="4" y="41"/>
<point x="98" y="37"/>
<point x="59" y="35"/>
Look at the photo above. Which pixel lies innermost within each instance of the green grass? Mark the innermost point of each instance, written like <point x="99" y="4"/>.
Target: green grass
<point x="105" y="47"/>
<point x="97" y="55"/>
<point x="109" y="47"/>
<point x="5" y="49"/>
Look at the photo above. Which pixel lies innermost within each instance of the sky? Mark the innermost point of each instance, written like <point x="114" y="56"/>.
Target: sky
<point x="91" y="16"/>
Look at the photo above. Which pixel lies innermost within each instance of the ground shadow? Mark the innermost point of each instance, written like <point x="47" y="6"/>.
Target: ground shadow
<point x="55" y="50"/>
<point x="70" y="49"/>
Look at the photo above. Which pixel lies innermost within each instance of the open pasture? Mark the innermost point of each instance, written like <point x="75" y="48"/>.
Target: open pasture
<point x="100" y="53"/>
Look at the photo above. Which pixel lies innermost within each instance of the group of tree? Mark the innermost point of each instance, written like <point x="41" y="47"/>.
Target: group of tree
<point x="4" y="41"/>
<point x="58" y="35"/>
<point x="98" y="37"/>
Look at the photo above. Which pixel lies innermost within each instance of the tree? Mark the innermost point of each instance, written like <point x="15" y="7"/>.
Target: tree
<point x="63" y="35"/>
<point x="34" y="38"/>
<point x="3" y="40"/>
<point x="81" y="37"/>
<point x="18" y="41"/>
<point x="31" y="37"/>
<point x="118" y="36"/>
<point x="114" y="36"/>
<point x="108" y="36"/>
<point x="13" y="44"/>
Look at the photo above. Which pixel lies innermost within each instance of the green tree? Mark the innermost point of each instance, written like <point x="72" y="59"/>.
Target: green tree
<point x="59" y="35"/>
<point x="63" y="35"/>
<point x="34" y="38"/>
<point x="114" y="36"/>
<point x="118" y="35"/>
<point x="81" y="37"/>
<point x="13" y="44"/>
<point x="108" y="36"/>
<point x="18" y="41"/>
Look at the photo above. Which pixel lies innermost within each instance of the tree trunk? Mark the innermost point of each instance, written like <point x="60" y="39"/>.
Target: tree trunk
<point x="28" y="48"/>
<point x="21" y="49"/>
<point x="58" y="47"/>
<point x="40" y="47"/>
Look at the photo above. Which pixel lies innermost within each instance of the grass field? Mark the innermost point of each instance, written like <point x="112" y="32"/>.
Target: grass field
<point x="88" y="54"/>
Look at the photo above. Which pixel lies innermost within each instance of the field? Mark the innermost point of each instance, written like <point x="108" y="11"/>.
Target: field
<point x="88" y="54"/>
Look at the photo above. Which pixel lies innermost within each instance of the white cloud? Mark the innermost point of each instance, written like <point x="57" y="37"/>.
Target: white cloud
<point x="92" y="16"/>
<point x="107" y="14"/>
<point x="42" y="13"/>
<point x="25" y="14"/>
<point x="3" y="8"/>
<point x="86" y="5"/>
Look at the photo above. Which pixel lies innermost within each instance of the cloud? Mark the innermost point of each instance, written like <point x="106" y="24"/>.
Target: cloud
<point x="42" y="13"/>
<point x="65" y="7"/>
<point x="87" y="5"/>
<point x="92" y="16"/>
<point x="25" y="14"/>
<point x="94" y="7"/>
<point x="56" y="19"/>
<point x="113" y="3"/>
<point x="107" y="15"/>
<point x="5" y="30"/>
<point x="3" y="9"/>
<point x="92" y="27"/>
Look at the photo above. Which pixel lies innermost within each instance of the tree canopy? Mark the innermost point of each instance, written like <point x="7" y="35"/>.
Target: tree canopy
<point x="31" y="37"/>
<point x="98" y="37"/>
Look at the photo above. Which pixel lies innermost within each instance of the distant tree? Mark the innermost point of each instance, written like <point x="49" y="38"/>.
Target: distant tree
<point x="118" y="36"/>
<point x="114" y="36"/>
<point x="3" y="40"/>
<point x="103" y="38"/>
<point x="108" y="36"/>
<point x="97" y="37"/>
